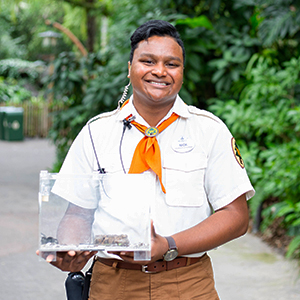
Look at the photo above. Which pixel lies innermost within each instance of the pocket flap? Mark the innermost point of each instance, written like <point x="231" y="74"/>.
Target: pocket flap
<point x="186" y="162"/>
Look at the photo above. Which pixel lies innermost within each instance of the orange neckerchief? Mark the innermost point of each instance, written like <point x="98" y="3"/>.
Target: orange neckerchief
<point x="147" y="152"/>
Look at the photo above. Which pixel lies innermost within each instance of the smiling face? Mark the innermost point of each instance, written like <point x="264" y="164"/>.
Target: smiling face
<point x="156" y="73"/>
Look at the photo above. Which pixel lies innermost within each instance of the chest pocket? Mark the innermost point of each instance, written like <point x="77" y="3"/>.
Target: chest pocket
<point x="184" y="179"/>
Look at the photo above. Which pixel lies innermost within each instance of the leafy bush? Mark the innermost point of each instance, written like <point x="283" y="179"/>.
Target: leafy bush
<point x="10" y="47"/>
<point x="11" y="92"/>
<point x="19" y="80"/>
<point x="68" y="84"/>
<point x="18" y="68"/>
<point x="87" y="87"/>
<point x="21" y="22"/>
<point x="266" y="122"/>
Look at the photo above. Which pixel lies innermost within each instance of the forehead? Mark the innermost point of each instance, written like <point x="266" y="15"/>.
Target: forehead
<point x="161" y="46"/>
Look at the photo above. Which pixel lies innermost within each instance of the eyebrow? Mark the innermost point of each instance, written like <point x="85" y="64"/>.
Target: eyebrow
<point x="168" y="57"/>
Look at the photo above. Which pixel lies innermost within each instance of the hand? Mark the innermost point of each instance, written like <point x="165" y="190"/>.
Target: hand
<point x="71" y="261"/>
<point x="159" y="246"/>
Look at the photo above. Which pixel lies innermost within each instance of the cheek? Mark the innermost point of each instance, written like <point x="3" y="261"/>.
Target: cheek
<point x="136" y="76"/>
<point x="178" y="79"/>
<point x="176" y="74"/>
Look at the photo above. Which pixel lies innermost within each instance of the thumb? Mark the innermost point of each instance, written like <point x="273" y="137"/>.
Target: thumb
<point x="153" y="233"/>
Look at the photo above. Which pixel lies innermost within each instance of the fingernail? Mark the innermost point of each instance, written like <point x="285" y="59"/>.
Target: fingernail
<point x="49" y="258"/>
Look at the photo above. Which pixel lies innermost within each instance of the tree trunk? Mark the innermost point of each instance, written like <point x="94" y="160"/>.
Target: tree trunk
<point x="91" y="27"/>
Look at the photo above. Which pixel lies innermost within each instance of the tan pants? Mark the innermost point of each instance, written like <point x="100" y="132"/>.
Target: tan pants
<point x="191" y="282"/>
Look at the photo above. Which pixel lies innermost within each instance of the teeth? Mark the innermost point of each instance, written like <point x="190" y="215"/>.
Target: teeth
<point x="158" y="83"/>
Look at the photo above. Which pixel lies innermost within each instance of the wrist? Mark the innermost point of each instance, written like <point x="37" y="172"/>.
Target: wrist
<point x="172" y="251"/>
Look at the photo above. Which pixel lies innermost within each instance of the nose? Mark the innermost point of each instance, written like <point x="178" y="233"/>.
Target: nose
<point x="159" y="70"/>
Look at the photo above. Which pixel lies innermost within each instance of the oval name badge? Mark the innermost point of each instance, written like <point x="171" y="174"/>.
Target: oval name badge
<point x="183" y="145"/>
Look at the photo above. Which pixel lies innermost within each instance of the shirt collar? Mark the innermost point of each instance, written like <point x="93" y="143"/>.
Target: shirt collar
<point x="179" y="107"/>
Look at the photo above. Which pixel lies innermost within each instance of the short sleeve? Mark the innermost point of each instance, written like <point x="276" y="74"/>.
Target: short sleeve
<point x="226" y="178"/>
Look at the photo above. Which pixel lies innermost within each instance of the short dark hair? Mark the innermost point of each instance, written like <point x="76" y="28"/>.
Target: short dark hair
<point x="152" y="28"/>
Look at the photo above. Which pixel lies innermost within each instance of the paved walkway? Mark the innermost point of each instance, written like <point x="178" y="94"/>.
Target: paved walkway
<point x="245" y="269"/>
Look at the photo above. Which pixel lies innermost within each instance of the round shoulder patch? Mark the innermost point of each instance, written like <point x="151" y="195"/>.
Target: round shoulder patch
<point x="237" y="153"/>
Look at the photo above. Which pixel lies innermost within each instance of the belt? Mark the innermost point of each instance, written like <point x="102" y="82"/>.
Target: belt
<point x="154" y="267"/>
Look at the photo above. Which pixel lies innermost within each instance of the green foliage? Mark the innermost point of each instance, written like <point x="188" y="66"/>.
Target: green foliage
<point x="11" y="92"/>
<point x="201" y="21"/>
<point x="10" y="47"/>
<point x="290" y="211"/>
<point x="69" y="76"/>
<point x="68" y="85"/>
<point x="266" y="118"/>
<point x="280" y="20"/>
<point x="17" y="68"/>
<point x="219" y="42"/>
<point x="21" y="22"/>
<point x="20" y="80"/>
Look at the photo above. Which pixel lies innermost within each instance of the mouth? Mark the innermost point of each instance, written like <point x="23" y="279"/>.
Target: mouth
<point x="158" y="83"/>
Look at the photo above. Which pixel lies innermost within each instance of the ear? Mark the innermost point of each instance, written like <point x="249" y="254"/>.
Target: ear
<point x="129" y="67"/>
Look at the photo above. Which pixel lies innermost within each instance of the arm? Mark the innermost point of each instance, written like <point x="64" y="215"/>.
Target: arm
<point x="223" y="226"/>
<point x="76" y="224"/>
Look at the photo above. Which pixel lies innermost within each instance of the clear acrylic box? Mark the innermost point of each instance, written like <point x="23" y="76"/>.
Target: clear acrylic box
<point x="119" y="204"/>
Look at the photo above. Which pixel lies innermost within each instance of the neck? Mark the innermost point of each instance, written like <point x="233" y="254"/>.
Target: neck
<point x="153" y="114"/>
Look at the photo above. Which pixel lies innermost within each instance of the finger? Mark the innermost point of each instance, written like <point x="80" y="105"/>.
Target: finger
<point x="65" y="263"/>
<point x="127" y="256"/>
<point x="69" y="256"/>
<point x="72" y="253"/>
<point x="85" y="256"/>
<point x="80" y="261"/>
<point x="91" y="254"/>
<point x="48" y="256"/>
<point x="114" y="252"/>
<point x="61" y="260"/>
<point x="71" y="261"/>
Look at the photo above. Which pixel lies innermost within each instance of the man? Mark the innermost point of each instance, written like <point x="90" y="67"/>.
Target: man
<point x="197" y="168"/>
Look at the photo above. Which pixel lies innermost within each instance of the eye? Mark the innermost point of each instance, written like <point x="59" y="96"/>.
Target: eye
<point x="147" y="61"/>
<point x="172" y="64"/>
